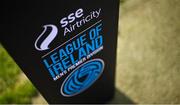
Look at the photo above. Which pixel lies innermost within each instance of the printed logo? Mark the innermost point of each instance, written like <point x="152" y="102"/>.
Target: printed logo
<point x="82" y="78"/>
<point x="68" y="24"/>
<point x="44" y="45"/>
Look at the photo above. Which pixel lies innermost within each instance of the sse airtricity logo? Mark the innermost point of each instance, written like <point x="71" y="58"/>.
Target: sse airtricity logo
<point x="68" y="24"/>
<point x="82" y="78"/>
<point x="44" y="45"/>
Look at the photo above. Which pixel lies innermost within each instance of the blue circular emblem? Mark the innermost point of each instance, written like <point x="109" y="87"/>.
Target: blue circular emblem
<point x="82" y="78"/>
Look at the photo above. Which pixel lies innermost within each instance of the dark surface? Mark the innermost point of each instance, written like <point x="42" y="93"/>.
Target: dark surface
<point x="22" y="21"/>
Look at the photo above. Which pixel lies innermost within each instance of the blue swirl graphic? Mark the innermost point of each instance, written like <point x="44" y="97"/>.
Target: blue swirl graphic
<point x="82" y="78"/>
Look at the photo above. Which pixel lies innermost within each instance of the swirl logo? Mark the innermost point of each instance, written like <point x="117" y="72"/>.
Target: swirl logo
<point x="45" y="44"/>
<point x="82" y="78"/>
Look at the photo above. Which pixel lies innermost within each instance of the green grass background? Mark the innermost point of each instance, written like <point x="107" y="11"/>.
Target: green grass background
<point x="14" y="86"/>
<point x="148" y="57"/>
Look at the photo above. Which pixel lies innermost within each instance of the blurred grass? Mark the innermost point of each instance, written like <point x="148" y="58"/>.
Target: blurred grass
<point x="121" y="1"/>
<point x="21" y="94"/>
<point x="8" y="70"/>
<point x="14" y="86"/>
